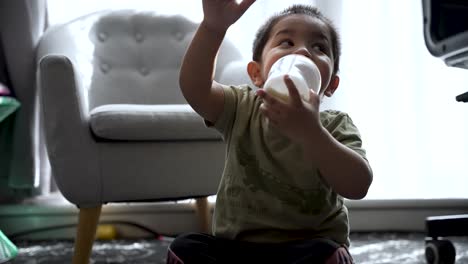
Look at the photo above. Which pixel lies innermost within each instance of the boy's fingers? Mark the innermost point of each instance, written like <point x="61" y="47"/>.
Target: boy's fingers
<point x="260" y="92"/>
<point x="294" y="95"/>
<point x="264" y="110"/>
<point x="266" y="97"/>
<point x="270" y="112"/>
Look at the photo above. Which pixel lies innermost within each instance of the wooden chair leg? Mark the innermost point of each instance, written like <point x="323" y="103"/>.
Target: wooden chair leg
<point x="85" y="234"/>
<point x="204" y="215"/>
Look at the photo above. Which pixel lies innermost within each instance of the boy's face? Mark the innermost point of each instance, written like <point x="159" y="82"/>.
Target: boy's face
<point x="303" y="35"/>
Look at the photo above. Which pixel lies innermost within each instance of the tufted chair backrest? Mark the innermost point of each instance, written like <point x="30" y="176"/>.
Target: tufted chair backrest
<point x="137" y="58"/>
<point x="129" y="56"/>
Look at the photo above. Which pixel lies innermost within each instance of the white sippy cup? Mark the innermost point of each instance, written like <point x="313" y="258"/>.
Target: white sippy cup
<point x="302" y="71"/>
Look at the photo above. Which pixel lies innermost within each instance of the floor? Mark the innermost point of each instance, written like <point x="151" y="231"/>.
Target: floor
<point x="366" y="248"/>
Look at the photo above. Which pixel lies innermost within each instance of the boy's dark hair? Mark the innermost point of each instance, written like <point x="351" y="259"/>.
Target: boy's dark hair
<point x="264" y="31"/>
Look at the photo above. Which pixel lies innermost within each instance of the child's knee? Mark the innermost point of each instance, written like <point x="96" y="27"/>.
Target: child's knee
<point x="340" y="256"/>
<point x="184" y="241"/>
<point x="190" y="248"/>
<point x="179" y="247"/>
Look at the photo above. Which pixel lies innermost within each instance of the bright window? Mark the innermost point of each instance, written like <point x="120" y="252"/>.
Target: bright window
<point x="403" y="101"/>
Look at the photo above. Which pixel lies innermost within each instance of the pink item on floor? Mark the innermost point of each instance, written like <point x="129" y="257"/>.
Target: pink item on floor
<point x="4" y="90"/>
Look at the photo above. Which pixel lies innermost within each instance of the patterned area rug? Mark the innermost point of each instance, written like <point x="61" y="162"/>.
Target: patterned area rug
<point x="368" y="248"/>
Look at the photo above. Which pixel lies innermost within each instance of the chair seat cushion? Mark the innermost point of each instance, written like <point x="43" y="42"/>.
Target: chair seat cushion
<point x="149" y="122"/>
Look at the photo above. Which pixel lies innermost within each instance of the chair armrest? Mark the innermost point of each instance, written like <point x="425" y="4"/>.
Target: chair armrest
<point x="73" y="153"/>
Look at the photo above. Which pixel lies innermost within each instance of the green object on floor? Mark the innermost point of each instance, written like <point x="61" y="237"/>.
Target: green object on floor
<point x="8" y="250"/>
<point x="8" y="105"/>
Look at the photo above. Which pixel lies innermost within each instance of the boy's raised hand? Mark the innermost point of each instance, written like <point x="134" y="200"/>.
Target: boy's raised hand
<point x="219" y="15"/>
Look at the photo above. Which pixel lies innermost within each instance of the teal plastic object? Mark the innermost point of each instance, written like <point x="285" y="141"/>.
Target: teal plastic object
<point x="8" y="105"/>
<point x="8" y="250"/>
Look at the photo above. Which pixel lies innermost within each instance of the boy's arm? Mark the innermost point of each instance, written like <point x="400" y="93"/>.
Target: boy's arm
<point x="345" y="171"/>
<point x="196" y="74"/>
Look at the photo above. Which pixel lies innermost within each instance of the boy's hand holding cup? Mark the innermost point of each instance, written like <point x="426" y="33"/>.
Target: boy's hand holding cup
<point x="302" y="71"/>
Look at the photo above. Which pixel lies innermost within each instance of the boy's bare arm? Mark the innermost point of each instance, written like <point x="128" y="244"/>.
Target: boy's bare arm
<point x="344" y="170"/>
<point x="196" y="74"/>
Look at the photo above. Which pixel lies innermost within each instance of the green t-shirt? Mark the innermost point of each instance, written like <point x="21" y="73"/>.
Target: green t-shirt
<point x="268" y="192"/>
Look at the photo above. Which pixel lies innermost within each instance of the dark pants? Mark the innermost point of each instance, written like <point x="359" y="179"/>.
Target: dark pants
<point x="202" y="248"/>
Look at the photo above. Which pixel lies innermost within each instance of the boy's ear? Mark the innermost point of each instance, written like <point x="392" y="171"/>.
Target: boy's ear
<point x="332" y="86"/>
<point x="255" y="73"/>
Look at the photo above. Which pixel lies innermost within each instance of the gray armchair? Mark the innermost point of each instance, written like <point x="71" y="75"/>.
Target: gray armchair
<point x="117" y="127"/>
